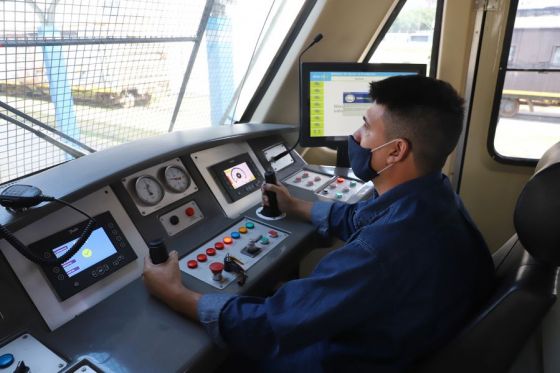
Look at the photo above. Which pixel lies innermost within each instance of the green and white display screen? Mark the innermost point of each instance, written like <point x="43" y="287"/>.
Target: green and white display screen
<point x="335" y="96"/>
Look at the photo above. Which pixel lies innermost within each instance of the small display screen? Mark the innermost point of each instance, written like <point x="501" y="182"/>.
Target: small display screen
<point x="97" y="247"/>
<point x="239" y="175"/>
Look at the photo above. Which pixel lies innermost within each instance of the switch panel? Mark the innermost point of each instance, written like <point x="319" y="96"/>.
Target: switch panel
<point x="341" y="189"/>
<point x="247" y="241"/>
<point x="181" y="218"/>
<point x="33" y="353"/>
<point x="308" y="180"/>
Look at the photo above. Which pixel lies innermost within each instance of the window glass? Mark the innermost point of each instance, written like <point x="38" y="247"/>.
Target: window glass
<point x="409" y="39"/>
<point x="555" y="61"/>
<point x="81" y="76"/>
<point x="529" y="112"/>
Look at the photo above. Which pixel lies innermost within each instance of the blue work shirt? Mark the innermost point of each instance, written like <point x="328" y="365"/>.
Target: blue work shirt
<point x="412" y="271"/>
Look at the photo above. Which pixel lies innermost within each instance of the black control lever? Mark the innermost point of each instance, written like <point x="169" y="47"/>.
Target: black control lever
<point x="272" y="210"/>
<point x="158" y="251"/>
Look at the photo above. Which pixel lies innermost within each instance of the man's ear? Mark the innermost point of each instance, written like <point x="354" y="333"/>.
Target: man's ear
<point x="399" y="151"/>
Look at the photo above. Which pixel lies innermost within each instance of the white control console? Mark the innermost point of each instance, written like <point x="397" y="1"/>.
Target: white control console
<point x="246" y="242"/>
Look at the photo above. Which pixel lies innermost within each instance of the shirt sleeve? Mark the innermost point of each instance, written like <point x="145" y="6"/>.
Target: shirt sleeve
<point x="334" y="219"/>
<point x="348" y="281"/>
<point x="209" y="308"/>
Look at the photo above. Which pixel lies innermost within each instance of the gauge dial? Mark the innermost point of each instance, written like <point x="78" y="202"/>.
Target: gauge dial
<point x="148" y="190"/>
<point x="176" y="178"/>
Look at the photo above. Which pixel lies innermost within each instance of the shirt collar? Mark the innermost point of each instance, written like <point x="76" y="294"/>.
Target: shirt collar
<point x="379" y="203"/>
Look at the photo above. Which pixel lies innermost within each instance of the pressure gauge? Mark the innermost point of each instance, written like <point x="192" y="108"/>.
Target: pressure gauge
<point x="148" y="190"/>
<point x="176" y="178"/>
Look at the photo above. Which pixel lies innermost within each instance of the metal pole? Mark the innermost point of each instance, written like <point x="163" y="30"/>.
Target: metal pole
<point x="192" y="59"/>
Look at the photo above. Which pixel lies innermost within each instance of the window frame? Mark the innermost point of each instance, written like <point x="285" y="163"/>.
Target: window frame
<point x="435" y="38"/>
<point x="277" y="61"/>
<point x="502" y="71"/>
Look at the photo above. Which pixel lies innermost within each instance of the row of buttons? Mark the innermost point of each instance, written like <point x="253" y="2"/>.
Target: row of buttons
<point x="228" y="240"/>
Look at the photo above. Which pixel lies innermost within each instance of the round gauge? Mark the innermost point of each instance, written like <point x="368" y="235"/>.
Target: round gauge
<point x="148" y="190"/>
<point x="176" y="178"/>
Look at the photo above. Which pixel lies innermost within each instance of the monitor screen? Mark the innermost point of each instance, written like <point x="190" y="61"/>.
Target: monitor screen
<point x="239" y="175"/>
<point x="335" y="97"/>
<point x="97" y="247"/>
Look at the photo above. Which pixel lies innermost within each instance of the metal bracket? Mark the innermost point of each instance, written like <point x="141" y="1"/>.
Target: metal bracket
<point x="488" y="5"/>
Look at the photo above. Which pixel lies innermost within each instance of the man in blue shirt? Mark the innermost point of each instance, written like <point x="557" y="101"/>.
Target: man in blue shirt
<point x="412" y="271"/>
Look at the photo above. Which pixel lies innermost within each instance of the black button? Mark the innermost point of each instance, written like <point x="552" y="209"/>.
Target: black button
<point x="174" y="220"/>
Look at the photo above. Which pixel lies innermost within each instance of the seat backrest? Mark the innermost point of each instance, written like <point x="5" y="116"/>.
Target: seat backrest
<point x="526" y="271"/>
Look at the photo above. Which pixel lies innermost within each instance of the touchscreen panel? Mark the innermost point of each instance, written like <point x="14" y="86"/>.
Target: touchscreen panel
<point x="239" y="175"/>
<point x="97" y="247"/>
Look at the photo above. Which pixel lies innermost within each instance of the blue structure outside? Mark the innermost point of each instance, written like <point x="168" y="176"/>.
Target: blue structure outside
<point x="220" y="66"/>
<point x="59" y="84"/>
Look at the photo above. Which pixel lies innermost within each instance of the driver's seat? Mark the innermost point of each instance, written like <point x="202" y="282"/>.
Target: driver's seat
<point x="526" y="271"/>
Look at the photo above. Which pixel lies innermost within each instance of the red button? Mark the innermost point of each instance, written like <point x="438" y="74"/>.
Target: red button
<point x="201" y="257"/>
<point x="189" y="211"/>
<point x="339" y="179"/>
<point x="219" y="245"/>
<point x="228" y="240"/>
<point x="273" y="233"/>
<point x="192" y="264"/>
<point x="216" y="267"/>
<point x="210" y="251"/>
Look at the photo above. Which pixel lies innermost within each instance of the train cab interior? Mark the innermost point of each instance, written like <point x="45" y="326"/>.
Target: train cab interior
<point x="133" y="128"/>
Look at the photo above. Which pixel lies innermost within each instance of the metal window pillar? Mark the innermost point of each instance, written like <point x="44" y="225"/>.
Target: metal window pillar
<point x="197" y="41"/>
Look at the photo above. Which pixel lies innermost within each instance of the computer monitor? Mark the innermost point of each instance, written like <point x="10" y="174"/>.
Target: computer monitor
<point x="335" y="96"/>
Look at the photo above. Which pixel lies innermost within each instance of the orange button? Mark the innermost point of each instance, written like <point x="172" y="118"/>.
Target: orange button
<point x="201" y="258"/>
<point x="228" y="240"/>
<point x="243" y="230"/>
<point x="189" y="211"/>
<point x="192" y="264"/>
<point x="219" y="245"/>
<point x="210" y="251"/>
<point x="339" y="179"/>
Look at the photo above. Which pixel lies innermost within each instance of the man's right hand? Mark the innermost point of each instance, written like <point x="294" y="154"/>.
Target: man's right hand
<point x="292" y="206"/>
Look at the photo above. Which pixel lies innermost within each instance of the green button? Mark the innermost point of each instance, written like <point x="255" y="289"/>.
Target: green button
<point x="265" y="241"/>
<point x="250" y="225"/>
<point x="338" y="195"/>
<point x="352" y="183"/>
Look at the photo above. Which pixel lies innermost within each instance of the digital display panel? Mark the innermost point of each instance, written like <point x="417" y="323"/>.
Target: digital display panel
<point x="239" y="175"/>
<point x="335" y="95"/>
<point x="97" y="247"/>
<point x="339" y="99"/>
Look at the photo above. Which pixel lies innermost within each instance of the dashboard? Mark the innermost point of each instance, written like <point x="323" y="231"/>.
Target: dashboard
<point x="198" y="191"/>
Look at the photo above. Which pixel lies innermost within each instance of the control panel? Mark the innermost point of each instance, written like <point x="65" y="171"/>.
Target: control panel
<point x="181" y="218"/>
<point x="27" y="354"/>
<point x="341" y="189"/>
<point x="245" y="243"/>
<point x="308" y="180"/>
<point x="104" y="252"/>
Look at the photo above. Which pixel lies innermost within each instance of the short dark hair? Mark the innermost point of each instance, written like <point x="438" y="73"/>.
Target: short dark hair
<point x="427" y="112"/>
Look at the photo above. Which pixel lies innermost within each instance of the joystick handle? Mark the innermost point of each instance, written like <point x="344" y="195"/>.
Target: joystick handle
<point x="158" y="251"/>
<point x="272" y="209"/>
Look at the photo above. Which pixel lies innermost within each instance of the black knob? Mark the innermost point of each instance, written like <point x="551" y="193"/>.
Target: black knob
<point x="272" y="209"/>
<point x="158" y="251"/>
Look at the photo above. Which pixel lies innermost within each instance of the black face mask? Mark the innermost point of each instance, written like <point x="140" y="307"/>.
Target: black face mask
<point x="360" y="160"/>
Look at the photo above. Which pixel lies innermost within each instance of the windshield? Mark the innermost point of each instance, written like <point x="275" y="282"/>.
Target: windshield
<point x="81" y="76"/>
